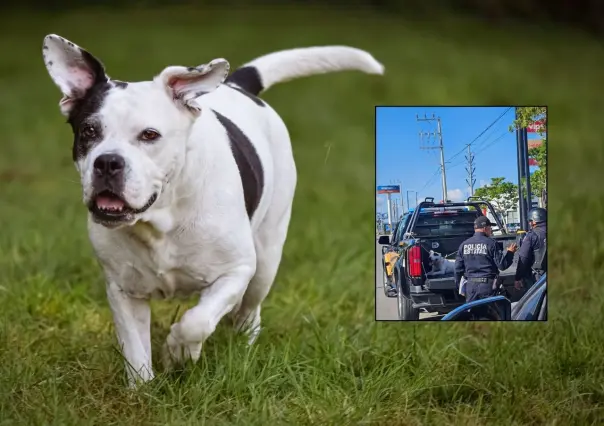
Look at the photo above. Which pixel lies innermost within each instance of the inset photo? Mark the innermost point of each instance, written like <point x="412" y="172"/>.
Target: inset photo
<point x="461" y="213"/>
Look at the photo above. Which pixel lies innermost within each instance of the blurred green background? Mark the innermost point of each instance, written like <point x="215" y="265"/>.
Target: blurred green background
<point x="321" y="358"/>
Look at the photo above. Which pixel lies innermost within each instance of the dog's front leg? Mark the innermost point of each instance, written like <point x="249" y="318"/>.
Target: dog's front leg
<point x="186" y="337"/>
<point x="132" y="318"/>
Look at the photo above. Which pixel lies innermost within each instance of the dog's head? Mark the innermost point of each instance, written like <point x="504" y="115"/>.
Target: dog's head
<point x="129" y="138"/>
<point x="435" y="258"/>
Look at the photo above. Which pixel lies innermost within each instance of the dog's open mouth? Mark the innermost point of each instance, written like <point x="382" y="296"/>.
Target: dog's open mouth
<point x="109" y="207"/>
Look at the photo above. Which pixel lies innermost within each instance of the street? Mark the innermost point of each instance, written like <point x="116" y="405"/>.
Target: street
<point x="385" y="307"/>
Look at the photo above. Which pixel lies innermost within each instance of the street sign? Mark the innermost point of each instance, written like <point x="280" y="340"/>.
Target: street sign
<point x="388" y="189"/>
<point x="535" y="127"/>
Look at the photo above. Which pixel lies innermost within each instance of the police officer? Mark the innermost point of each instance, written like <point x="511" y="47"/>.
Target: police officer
<point x="479" y="260"/>
<point x="532" y="256"/>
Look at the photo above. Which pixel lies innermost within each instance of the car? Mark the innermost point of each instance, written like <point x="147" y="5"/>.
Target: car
<point x="513" y="227"/>
<point x="531" y="307"/>
<point x="390" y="246"/>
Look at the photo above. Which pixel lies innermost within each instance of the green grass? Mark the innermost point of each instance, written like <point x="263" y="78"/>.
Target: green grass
<point x="321" y="358"/>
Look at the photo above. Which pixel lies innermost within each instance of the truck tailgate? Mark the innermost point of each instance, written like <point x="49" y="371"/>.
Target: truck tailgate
<point x="444" y="283"/>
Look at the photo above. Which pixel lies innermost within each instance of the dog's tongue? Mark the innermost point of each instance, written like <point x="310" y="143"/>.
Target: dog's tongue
<point x="106" y="202"/>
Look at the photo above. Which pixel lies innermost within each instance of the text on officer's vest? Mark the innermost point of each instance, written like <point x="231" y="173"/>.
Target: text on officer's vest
<point x="475" y="249"/>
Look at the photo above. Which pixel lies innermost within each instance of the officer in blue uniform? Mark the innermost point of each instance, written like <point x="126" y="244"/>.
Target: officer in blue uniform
<point x="480" y="260"/>
<point x="532" y="256"/>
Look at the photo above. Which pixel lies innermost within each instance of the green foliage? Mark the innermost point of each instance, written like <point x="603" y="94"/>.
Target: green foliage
<point x="502" y="195"/>
<point x="527" y="116"/>
<point x="539" y="176"/>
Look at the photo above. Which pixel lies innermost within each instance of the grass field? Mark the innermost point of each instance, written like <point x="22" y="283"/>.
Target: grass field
<point x="321" y="358"/>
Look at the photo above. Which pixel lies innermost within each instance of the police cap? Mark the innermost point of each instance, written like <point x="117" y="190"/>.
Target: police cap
<point x="482" y="222"/>
<point x="537" y="215"/>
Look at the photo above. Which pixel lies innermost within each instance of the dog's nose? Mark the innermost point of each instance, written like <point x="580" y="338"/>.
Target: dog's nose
<point x="109" y="164"/>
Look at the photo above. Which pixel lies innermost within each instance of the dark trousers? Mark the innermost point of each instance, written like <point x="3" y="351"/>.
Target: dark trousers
<point x="477" y="291"/>
<point x="527" y="283"/>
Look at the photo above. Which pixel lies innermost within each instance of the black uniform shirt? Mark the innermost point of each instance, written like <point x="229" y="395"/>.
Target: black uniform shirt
<point x="526" y="254"/>
<point x="479" y="257"/>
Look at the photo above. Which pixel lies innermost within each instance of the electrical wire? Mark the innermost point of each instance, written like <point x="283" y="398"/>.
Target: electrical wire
<point x="484" y="148"/>
<point x="430" y="180"/>
<point x="481" y="133"/>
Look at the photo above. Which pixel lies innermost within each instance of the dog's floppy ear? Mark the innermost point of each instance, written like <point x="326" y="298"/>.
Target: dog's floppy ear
<point x="72" y="68"/>
<point x="185" y="84"/>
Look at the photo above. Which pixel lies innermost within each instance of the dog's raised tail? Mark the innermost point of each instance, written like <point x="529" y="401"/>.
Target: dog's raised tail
<point x="263" y="72"/>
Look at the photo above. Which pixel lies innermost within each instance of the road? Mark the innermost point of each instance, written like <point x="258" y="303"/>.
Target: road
<point x="385" y="307"/>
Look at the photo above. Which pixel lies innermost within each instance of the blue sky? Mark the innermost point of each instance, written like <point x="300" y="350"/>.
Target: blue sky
<point x="399" y="157"/>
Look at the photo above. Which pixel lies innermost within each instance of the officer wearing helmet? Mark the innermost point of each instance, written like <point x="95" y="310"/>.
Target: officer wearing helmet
<point x="480" y="259"/>
<point x="532" y="255"/>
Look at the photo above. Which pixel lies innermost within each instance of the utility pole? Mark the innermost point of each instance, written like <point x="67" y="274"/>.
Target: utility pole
<point x="527" y="171"/>
<point x="440" y="146"/>
<point x="521" y="191"/>
<point x="470" y="169"/>
<point x="400" y="194"/>
<point x="389" y="205"/>
<point x="408" y="191"/>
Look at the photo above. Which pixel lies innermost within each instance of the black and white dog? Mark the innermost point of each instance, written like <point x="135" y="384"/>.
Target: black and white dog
<point x="189" y="181"/>
<point x="440" y="265"/>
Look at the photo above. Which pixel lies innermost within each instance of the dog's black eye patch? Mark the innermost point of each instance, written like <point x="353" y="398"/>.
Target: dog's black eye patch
<point x="88" y="132"/>
<point x="83" y="114"/>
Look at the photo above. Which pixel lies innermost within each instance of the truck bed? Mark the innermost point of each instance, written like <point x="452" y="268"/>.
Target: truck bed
<point x="447" y="282"/>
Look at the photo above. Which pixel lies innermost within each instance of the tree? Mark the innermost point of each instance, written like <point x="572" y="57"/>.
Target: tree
<point x="527" y="116"/>
<point x="502" y="195"/>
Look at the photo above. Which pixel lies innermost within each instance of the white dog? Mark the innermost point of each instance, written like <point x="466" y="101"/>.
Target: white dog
<point x="189" y="181"/>
<point x="440" y="265"/>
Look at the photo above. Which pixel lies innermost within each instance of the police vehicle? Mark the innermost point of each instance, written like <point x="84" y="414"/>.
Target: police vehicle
<point x="440" y="227"/>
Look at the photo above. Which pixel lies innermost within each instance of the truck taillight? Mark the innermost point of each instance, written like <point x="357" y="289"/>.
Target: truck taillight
<point x="415" y="262"/>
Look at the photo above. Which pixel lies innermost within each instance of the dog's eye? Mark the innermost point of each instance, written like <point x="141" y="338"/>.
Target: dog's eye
<point x="88" y="132"/>
<point x="149" y="135"/>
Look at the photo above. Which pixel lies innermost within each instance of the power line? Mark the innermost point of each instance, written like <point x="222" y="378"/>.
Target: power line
<point x="430" y="180"/>
<point x="485" y="147"/>
<point x="484" y="144"/>
<point x="492" y="143"/>
<point x="481" y="133"/>
<point x="488" y="138"/>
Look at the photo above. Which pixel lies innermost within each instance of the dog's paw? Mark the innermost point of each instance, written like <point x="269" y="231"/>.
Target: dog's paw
<point x="138" y="377"/>
<point x="177" y="352"/>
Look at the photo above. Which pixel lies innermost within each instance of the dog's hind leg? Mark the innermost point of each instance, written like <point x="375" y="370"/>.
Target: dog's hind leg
<point x="269" y="248"/>
<point x="271" y="233"/>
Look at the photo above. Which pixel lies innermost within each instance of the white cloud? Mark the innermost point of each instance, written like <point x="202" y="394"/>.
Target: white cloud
<point x="455" y="195"/>
<point x="482" y="183"/>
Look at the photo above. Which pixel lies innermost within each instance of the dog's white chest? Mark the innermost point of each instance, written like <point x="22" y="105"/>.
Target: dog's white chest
<point x="159" y="268"/>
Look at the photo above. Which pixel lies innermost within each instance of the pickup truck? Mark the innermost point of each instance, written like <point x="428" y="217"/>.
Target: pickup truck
<point x="440" y="227"/>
